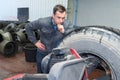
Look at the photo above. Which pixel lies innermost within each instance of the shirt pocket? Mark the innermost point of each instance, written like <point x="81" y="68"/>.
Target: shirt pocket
<point x="47" y="33"/>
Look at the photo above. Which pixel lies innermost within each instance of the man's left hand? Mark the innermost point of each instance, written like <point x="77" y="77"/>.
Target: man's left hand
<point x="61" y="28"/>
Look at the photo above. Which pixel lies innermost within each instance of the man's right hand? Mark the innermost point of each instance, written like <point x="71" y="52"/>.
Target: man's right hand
<point x="61" y="28"/>
<point x="40" y="45"/>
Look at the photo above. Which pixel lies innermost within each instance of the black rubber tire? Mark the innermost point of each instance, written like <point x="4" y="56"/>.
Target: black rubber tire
<point x="10" y="49"/>
<point x="10" y="27"/>
<point x="100" y="41"/>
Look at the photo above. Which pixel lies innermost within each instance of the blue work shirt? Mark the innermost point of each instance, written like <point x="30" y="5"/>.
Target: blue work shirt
<point x="48" y="32"/>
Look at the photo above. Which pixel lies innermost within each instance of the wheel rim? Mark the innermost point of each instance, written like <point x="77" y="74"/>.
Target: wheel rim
<point x="103" y="69"/>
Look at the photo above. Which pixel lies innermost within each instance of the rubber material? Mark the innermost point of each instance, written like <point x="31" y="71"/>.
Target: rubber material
<point x="100" y="41"/>
<point x="10" y="27"/>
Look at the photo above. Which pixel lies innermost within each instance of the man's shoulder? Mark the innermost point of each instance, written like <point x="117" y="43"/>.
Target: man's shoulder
<point x="45" y="19"/>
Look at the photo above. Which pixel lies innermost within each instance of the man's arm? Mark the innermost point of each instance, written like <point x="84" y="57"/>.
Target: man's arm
<point x="30" y="28"/>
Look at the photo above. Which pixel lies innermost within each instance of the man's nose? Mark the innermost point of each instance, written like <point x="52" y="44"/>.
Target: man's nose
<point x="61" y="20"/>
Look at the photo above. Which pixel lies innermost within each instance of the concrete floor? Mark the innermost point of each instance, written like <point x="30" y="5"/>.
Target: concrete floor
<point x="15" y="65"/>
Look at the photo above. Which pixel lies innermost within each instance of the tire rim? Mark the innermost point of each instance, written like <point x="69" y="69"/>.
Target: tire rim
<point x="103" y="69"/>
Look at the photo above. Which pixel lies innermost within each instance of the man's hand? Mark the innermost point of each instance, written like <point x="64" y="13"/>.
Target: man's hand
<point x="61" y="28"/>
<point x="40" y="45"/>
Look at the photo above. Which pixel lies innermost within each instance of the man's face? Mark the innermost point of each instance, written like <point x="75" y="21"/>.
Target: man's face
<point x="59" y="17"/>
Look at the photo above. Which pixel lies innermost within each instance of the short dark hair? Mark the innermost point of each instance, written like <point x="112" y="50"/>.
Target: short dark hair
<point x="59" y="8"/>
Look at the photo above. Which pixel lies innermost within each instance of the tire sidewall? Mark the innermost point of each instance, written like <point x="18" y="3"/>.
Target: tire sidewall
<point x="85" y="44"/>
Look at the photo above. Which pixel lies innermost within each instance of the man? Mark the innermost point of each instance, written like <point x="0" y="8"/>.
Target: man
<point x="51" y="31"/>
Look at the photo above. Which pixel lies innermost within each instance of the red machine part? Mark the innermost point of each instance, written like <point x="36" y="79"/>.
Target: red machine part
<point x="74" y="52"/>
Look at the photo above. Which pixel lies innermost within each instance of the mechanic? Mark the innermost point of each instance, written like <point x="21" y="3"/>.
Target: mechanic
<point x="51" y="31"/>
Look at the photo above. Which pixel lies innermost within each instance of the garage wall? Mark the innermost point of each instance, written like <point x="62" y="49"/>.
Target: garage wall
<point x="8" y="9"/>
<point x="71" y="11"/>
<point x="99" y="12"/>
<point x="37" y="8"/>
<point x="40" y="8"/>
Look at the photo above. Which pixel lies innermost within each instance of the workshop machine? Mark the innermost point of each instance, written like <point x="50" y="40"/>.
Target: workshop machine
<point x="62" y="64"/>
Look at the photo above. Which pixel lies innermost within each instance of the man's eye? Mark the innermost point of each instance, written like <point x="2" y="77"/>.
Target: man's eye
<point x="63" y="18"/>
<point x="58" y="17"/>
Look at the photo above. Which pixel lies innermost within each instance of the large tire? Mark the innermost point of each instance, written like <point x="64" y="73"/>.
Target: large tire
<point x="103" y="42"/>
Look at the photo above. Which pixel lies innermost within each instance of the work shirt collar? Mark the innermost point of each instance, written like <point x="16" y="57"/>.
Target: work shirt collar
<point x="54" y="25"/>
